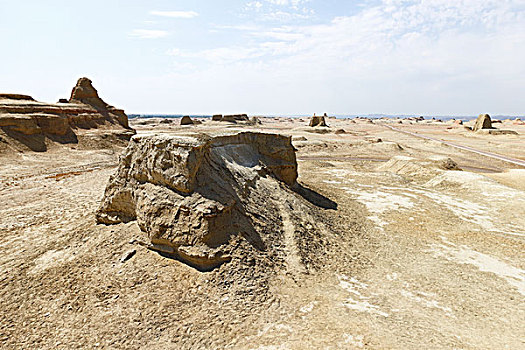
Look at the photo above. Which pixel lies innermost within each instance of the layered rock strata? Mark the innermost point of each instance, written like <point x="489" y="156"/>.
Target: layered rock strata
<point x="195" y="195"/>
<point x="31" y="122"/>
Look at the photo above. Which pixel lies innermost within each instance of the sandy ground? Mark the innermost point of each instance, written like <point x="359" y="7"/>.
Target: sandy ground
<point x="413" y="258"/>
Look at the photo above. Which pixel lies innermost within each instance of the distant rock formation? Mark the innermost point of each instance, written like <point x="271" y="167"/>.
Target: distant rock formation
<point x="85" y="93"/>
<point x="497" y="132"/>
<point x="30" y="123"/>
<point x="255" y="121"/>
<point x="16" y="97"/>
<point x="235" y="118"/>
<point x="186" y="120"/>
<point x="483" y="122"/>
<point x="216" y="117"/>
<point x="196" y="195"/>
<point x="317" y="121"/>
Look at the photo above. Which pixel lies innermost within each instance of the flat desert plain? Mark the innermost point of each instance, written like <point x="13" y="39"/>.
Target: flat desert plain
<point x="421" y="246"/>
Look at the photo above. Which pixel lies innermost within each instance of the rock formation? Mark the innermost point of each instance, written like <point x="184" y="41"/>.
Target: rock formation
<point x="216" y="117"/>
<point x="255" y="121"/>
<point x="186" y="120"/>
<point x="234" y="118"/>
<point x="317" y="121"/>
<point x="85" y="93"/>
<point x="196" y="195"/>
<point x="30" y="123"/>
<point x="483" y="122"/>
<point x="16" y="97"/>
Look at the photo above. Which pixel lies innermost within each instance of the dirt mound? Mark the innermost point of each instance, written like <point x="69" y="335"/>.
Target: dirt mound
<point x="203" y="199"/>
<point x="27" y="123"/>
<point x="417" y="168"/>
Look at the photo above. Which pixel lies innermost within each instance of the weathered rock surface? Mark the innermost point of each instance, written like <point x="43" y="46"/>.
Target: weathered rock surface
<point x="255" y="121"/>
<point x="483" y="122"/>
<point x="317" y="121"/>
<point x="497" y="132"/>
<point x="196" y="195"/>
<point x="16" y="97"/>
<point x="186" y="120"/>
<point x="30" y="122"/>
<point x="234" y="118"/>
<point x="85" y="93"/>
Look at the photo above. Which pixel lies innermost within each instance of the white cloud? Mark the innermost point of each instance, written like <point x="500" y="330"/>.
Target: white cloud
<point x="175" y="14"/>
<point x="410" y="56"/>
<point x="246" y="27"/>
<point x="254" y="5"/>
<point x="280" y="10"/>
<point x="148" y="34"/>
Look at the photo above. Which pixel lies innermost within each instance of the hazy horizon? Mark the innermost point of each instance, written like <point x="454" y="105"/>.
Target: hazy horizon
<point x="272" y="57"/>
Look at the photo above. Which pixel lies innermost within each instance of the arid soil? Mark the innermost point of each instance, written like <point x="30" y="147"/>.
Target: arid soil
<point x="392" y="251"/>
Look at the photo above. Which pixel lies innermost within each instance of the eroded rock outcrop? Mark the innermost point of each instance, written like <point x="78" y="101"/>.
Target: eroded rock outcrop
<point x="186" y="120"/>
<point x="234" y="118"/>
<point x="317" y="121"/>
<point x="483" y="122"/>
<point x="31" y="123"/>
<point x="196" y="195"/>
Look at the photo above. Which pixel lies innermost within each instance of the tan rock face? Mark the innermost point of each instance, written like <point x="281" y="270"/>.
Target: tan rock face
<point x="483" y="122"/>
<point x="317" y="121"/>
<point x="191" y="194"/>
<point x="30" y="122"/>
<point x="85" y="93"/>
<point x="16" y="97"/>
<point x="234" y="118"/>
<point x="186" y="120"/>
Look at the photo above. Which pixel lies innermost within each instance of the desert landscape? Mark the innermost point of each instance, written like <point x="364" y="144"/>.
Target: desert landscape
<point x="254" y="232"/>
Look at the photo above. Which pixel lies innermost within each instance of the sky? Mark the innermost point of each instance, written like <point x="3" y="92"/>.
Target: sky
<point x="271" y="57"/>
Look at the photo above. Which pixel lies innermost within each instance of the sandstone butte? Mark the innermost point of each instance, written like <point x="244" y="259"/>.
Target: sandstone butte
<point x="482" y="122"/>
<point x="196" y="195"/>
<point x="317" y="121"/>
<point x="30" y="123"/>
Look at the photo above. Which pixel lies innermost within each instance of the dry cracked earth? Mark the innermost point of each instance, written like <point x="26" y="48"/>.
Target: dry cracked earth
<point x="410" y="256"/>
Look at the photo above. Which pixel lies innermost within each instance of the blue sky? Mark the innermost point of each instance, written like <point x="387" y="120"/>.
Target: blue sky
<point x="441" y="57"/>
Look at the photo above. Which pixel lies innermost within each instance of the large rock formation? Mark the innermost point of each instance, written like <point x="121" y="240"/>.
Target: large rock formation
<point x="85" y="93"/>
<point x="196" y="195"/>
<point x="483" y="122"/>
<point x="28" y="122"/>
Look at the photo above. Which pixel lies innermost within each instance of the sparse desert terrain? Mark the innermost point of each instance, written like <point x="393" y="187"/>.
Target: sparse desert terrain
<point x="393" y="242"/>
